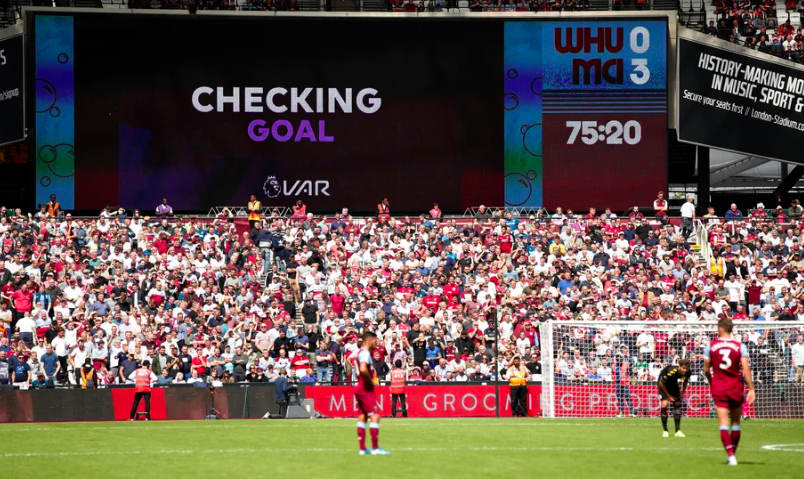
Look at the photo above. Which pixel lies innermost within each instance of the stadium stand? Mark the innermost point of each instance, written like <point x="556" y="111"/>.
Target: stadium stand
<point x="208" y="301"/>
<point x="772" y="27"/>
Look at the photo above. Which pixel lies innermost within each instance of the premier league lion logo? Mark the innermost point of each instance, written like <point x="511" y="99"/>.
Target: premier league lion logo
<point x="271" y="187"/>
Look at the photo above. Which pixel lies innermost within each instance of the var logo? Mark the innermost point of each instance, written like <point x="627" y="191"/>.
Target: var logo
<point x="274" y="188"/>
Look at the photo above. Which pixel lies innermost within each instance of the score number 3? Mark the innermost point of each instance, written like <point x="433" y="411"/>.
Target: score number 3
<point x="612" y="133"/>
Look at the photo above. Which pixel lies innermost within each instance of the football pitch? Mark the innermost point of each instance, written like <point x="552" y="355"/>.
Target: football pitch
<point x="421" y="448"/>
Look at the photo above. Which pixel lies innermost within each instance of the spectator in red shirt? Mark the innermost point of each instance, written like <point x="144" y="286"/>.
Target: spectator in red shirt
<point x="300" y="362"/>
<point x="760" y="212"/>
<point x="22" y="300"/>
<point x="779" y="214"/>
<point x="660" y="207"/>
<point x="337" y="300"/>
<point x="635" y="214"/>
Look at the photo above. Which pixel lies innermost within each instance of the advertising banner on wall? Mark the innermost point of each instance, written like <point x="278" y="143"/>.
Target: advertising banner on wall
<point x="737" y="99"/>
<point x="350" y="121"/>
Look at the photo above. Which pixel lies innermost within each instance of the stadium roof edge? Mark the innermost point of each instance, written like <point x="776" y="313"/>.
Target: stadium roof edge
<point x="670" y="14"/>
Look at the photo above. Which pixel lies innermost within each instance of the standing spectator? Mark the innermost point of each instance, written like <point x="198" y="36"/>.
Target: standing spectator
<point x="398" y="379"/>
<point x="435" y="212"/>
<point x="53" y="207"/>
<point x="310" y="311"/>
<point x="384" y="209"/>
<point x="660" y="207"/>
<point x="687" y="217"/>
<point x="280" y="392"/>
<point x="622" y="384"/>
<point x="324" y="359"/>
<point x="164" y="210"/>
<point x="143" y="378"/>
<point x="87" y="376"/>
<point x="22" y="300"/>
<point x="254" y="212"/>
<point x="22" y="373"/>
<point x="299" y="210"/>
<point x="797" y="356"/>
<point x="5" y="370"/>
<point x="518" y="382"/>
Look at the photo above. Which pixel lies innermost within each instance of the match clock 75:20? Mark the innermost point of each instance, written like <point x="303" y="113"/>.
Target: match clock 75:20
<point x="612" y="133"/>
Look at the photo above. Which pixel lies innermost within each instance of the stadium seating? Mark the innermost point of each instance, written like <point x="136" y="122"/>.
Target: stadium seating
<point x="296" y="294"/>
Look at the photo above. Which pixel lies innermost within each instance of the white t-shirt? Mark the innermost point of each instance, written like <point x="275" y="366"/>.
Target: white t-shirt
<point x="646" y="340"/>
<point x="26" y="325"/>
<point x="687" y="210"/>
<point x="735" y="290"/>
<point x="59" y="346"/>
<point x="798" y="353"/>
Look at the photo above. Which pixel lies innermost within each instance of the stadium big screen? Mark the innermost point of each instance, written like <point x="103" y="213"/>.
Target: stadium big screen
<point x="206" y="110"/>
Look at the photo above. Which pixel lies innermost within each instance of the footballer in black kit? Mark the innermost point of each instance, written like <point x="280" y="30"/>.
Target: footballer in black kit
<point x="671" y="391"/>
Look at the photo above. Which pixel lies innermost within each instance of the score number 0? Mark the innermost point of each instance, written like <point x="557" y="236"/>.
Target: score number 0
<point x="612" y="133"/>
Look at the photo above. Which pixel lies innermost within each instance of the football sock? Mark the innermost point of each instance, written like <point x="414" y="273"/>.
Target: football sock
<point x="361" y="435"/>
<point x="664" y="418"/>
<point x="735" y="437"/>
<point x="725" y="438"/>
<point x="375" y="435"/>
<point x="677" y="417"/>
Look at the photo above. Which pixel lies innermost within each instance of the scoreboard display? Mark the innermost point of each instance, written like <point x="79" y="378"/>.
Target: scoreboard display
<point x="566" y="111"/>
<point x="585" y="99"/>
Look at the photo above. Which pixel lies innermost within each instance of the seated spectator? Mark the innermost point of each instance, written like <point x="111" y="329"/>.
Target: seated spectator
<point x="759" y="212"/>
<point x="779" y="214"/>
<point x="308" y="376"/>
<point x="710" y="216"/>
<point x="733" y="214"/>
<point x="786" y="29"/>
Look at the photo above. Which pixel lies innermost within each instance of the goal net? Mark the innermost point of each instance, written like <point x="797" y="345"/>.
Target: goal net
<point x="607" y="368"/>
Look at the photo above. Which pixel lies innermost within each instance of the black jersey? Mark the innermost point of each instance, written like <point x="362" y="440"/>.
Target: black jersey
<point x="671" y="376"/>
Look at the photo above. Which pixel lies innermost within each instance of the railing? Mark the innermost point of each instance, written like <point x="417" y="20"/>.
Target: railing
<point x="242" y="211"/>
<point x="11" y="11"/>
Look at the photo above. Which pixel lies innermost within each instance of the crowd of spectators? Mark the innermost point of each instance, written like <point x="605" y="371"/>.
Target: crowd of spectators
<point x="86" y="300"/>
<point x="756" y="25"/>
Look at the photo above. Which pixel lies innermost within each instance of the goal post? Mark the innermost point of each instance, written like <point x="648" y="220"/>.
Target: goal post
<point x="608" y="368"/>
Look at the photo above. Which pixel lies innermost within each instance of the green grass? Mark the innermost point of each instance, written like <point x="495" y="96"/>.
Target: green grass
<point x="422" y="448"/>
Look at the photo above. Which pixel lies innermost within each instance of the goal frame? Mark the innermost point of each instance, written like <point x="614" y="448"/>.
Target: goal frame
<point x="546" y="334"/>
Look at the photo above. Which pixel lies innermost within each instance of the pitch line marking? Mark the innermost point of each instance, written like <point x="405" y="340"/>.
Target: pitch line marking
<point x="785" y="447"/>
<point x="295" y="450"/>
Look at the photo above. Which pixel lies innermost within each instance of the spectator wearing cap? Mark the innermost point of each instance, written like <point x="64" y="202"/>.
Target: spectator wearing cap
<point x="21" y="374"/>
<point x="779" y="214"/>
<point x="794" y="212"/>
